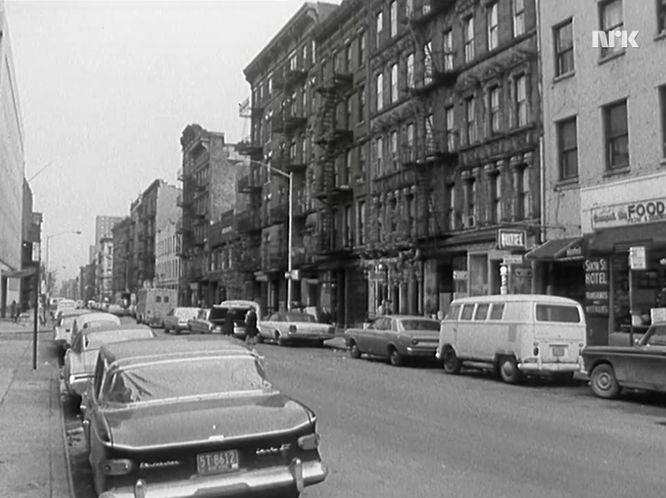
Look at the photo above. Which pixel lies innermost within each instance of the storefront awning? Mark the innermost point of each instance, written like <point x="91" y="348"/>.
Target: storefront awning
<point x="620" y="239"/>
<point x="558" y="250"/>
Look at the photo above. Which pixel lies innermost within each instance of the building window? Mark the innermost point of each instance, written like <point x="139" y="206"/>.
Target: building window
<point x="361" y="49"/>
<point x="468" y="36"/>
<point x="379" y="23"/>
<point x="610" y="15"/>
<point x="429" y="133"/>
<point x="451" y="196"/>
<point x="395" y="157"/>
<point x="393" y="19"/>
<point x="349" y="233"/>
<point x="409" y="132"/>
<point x="410" y="71"/>
<point x="564" y="50"/>
<point x="450" y="129"/>
<point x="662" y="105"/>
<point x="521" y="100"/>
<point x="379" y="85"/>
<point x="393" y="83"/>
<point x="427" y="63"/>
<point x="493" y="28"/>
<point x="361" y="103"/>
<point x="518" y="17"/>
<point x="361" y="162"/>
<point x="617" y="135"/>
<point x="348" y="163"/>
<point x="379" y="156"/>
<point x="293" y="61"/>
<point x="661" y="16"/>
<point x="568" y="148"/>
<point x="448" y="50"/>
<point x="470" y="203"/>
<point x="360" y="223"/>
<point x="522" y="193"/>
<point x="494" y="106"/>
<point x="496" y="198"/>
<point x="349" y="109"/>
<point x="470" y="114"/>
<point x="304" y="55"/>
<point x="349" y="58"/>
<point x="409" y="8"/>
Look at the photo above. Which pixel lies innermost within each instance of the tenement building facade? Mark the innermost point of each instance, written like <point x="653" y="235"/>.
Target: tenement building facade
<point x="605" y="152"/>
<point x="417" y="152"/>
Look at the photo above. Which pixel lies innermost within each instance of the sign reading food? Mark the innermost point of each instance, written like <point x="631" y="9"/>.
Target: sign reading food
<point x="629" y="213"/>
<point x="596" y="286"/>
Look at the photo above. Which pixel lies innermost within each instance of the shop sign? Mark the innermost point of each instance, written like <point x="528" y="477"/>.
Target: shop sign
<point x="513" y="259"/>
<point x="511" y="239"/>
<point x="637" y="259"/>
<point x="459" y="275"/>
<point x="596" y="286"/>
<point x="573" y="251"/>
<point x="629" y="213"/>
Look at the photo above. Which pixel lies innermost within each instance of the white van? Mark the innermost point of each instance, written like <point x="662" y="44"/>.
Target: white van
<point x="513" y="335"/>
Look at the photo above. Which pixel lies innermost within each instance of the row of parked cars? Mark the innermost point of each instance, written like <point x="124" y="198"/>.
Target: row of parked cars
<point x="516" y="336"/>
<point x="135" y="390"/>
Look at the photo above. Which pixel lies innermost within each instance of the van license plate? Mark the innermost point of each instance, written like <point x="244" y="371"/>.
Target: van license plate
<point x="558" y="350"/>
<point x="217" y="463"/>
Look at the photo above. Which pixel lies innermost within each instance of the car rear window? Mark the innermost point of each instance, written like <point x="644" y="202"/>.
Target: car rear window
<point x="171" y="379"/>
<point x="557" y="313"/>
<point x="414" y="324"/>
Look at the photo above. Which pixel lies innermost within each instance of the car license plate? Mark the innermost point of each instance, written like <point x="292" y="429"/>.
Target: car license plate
<point x="558" y="350"/>
<point x="217" y="462"/>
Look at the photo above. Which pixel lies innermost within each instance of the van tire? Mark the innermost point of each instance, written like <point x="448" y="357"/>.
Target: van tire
<point x="450" y="362"/>
<point x="508" y="370"/>
<point x="603" y="382"/>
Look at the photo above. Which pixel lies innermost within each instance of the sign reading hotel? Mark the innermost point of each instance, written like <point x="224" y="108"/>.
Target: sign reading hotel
<point x="511" y="239"/>
<point x="630" y="213"/>
<point x="596" y="286"/>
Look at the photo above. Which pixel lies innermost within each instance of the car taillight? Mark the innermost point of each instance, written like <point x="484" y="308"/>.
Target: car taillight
<point x="117" y="467"/>
<point x="309" y="442"/>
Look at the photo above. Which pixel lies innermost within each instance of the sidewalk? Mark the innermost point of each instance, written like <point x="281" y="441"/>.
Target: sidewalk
<point x="33" y="461"/>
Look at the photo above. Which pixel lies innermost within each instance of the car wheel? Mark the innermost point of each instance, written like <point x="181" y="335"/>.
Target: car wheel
<point x="354" y="352"/>
<point x="451" y="363"/>
<point x="603" y="382"/>
<point x="508" y="370"/>
<point x="395" y="358"/>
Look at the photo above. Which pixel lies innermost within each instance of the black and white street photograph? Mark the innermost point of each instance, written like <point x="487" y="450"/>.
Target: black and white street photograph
<point x="332" y="249"/>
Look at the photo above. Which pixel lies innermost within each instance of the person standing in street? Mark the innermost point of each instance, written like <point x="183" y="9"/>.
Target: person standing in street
<point x="228" y="326"/>
<point x="251" y="330"/>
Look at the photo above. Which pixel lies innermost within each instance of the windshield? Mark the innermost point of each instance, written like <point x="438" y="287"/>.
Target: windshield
<point x="170" y="379"/>
<point x="299" y="317"/>
<point x="415" y="324"/>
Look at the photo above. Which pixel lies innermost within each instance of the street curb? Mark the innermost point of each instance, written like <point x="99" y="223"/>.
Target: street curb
<point x="63" y="432"/>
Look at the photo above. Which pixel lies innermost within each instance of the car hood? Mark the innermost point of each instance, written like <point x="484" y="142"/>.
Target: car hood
<point x="207" y="420"/>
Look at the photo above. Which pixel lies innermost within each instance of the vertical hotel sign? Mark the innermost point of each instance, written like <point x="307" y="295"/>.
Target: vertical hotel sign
<point x="596" y="286"/>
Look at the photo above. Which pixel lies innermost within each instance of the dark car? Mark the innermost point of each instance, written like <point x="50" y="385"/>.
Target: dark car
<point x="201" y="420"/>
<point x="641" y="366"/>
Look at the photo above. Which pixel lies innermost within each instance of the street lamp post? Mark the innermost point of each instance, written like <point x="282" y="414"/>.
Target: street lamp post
<point x="290" y="177"/>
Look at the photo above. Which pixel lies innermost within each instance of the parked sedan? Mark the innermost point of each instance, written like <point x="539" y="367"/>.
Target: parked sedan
<point x="80" y="359"/>
<point x="201" y="324"/>
<point x="395" y="337"/>
<point x="294" y="326"/>
<point x="177" y="319"/>
<point x="641" y="366"/>
<point x="242" y="436"/>
<point x="62" y="330"/>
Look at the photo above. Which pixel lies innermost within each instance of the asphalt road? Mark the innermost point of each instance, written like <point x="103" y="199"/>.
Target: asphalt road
<point x="415" y="431"/>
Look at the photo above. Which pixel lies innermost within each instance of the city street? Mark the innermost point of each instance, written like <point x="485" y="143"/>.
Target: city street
<point x="415" y="431"/>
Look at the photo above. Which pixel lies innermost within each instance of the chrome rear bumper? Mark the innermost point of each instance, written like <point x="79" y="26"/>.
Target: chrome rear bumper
<point x="293" y="477"/>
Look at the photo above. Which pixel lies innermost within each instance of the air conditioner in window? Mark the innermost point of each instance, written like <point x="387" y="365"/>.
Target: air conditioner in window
<point x="469" y="221"/>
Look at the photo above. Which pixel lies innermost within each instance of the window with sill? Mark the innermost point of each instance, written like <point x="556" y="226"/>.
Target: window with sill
<point x="468" y="38"/>
<point x="450" y="129"/>
<point x="349" y="60"/>
<point x="521" y="100"/>
<point x="493" y="26"/>
<point x="360" y="223"/>
<point x="361" y="103"/>
<point x="661" y="16"/>
<point x="395" y="158"/>
<point x="470" y="202"/>
<point x="393" y="83"/>
<point x="496" y="198"/>
<point x="447" y="42"/>
<point x="429" y="127"/>
<point x="361" y="48"/>
<point x="470" y="125"/>
<point x="379" y="26"/>
<point x="522" y="188"/>
<point x="564" y="48"/>
<point x="410" y="70"/>
<point x="379" y="156"/>
<point x="611" y="19"/>
<point x="379" y="89"/>
<point x="409" y="142"/>
<point x="361" y="162"/>
<point x="567" y="148"/>
<point x="518" y="7"/>
<point x="616" y="135"/>
<point x="393" y="19"/>
<point x="494" y="108"/>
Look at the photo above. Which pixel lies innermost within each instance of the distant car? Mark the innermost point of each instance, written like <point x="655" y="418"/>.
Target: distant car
<point x="177" y="319"/>
<point x="294" y="326"/>
<point x="641" y="366"/>
<point x="62" y="330"/>
<point x="395" y="337"/>
<point x="199" y="420"/>
<point x="93" y="319"/>
<point x="201" y="324"/>
<point x="80" y="359"/>
<point x="63" y="304"/>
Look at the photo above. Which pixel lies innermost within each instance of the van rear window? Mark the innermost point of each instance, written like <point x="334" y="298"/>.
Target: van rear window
<point x="557" y="313"/>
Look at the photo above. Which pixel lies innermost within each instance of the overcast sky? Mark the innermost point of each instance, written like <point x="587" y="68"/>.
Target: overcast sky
<point x="106" y="88"/>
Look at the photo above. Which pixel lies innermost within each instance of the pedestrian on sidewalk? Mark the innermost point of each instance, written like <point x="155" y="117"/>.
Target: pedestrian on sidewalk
<point x="14" y="311"/>
<point x="251" y="330"/>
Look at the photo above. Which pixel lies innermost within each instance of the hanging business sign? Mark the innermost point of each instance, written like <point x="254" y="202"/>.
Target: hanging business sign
<point x="511" y="239"/>
<point x="596" y="286"/>
<point x="637" y="258"/>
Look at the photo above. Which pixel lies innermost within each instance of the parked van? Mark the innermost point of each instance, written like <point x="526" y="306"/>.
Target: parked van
<point x="514" y="335"/>
<point x="153" y="305"/>
<point x="237" y="308"/>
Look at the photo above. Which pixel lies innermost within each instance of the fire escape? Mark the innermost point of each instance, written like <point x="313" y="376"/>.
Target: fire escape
<point x="434" y="147"/>
<point x="332" y="135"/>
